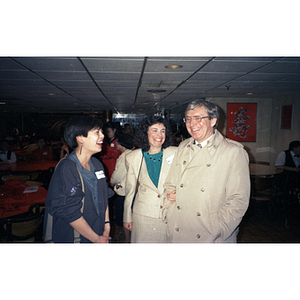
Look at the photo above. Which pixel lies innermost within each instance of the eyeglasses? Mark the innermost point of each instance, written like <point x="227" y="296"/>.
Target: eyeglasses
<point x="197" y="119"/>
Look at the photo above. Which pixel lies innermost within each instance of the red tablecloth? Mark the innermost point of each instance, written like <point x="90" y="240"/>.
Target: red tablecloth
<point x="22" y="152"/>
<point x="13" y="201"/>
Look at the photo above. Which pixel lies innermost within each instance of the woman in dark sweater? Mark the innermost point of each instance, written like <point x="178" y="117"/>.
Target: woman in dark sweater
<point x="79" y="176"/>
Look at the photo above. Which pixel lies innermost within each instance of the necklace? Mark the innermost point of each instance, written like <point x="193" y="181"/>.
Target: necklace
<point x="155" y="157"/>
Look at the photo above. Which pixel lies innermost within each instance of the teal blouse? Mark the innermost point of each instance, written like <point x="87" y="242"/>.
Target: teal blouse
<point x="153" y="163"/>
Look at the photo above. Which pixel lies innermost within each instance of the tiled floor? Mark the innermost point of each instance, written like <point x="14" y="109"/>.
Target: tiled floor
<point x="254" y="231"/>
<point x="256" y="227"/>
<point x="282" y="226"/>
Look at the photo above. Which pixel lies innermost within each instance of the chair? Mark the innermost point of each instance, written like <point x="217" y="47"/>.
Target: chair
<point x="44" y="176"/>
<point x="33" y="183"/>
<point x="262" y="193"/>
<point x="290" y="198"/>
<point x="10" y="176"/>
<point x="27" y="227"/>
<point x="36" y="208"/>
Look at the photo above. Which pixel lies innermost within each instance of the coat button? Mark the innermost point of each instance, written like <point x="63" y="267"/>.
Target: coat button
<point x="202" y="190"/>
<point x="181" y="185"/>
<point x="177" y="229"/>
<point x="198" y="214"/>
<point x="198" y="236"/>
<point x="161" y="207"/>
<point x="158" y="196"/>
<point x="178" y="207"/>
<point x="208" y="165"/>
<point x="184" y="162"/>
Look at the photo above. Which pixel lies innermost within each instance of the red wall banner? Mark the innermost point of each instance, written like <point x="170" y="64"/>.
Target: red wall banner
<point x="241" y="121"/>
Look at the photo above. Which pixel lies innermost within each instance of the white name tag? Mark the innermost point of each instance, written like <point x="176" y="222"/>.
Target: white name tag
<point x="100" y="174"/>
<point x="112" y="145"/>
<point x="45" y="153"/>
<point x="170" y="159"/>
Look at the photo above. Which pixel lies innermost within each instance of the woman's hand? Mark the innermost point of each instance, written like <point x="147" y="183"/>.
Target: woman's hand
<point x="128" y="225"/>
<point x="103" y="239"/>
<point x="171" y="196"/>
<point x="106" y="230"/>
<point x="81" y="226"/>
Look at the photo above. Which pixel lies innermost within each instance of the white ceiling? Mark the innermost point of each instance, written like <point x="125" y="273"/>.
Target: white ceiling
<point x="121" y="84"/>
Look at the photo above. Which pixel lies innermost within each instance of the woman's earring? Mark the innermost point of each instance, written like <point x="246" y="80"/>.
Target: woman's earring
<point x="80" y="149"/>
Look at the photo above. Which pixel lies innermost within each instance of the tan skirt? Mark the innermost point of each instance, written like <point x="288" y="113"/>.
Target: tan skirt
<point x="148" y="230"/>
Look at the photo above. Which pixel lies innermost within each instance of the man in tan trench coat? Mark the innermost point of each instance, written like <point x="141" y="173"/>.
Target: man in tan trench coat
<point x="208" y="187"/>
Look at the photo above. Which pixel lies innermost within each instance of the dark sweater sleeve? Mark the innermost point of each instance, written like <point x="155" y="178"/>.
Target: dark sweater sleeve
<point x="65" y="192"/>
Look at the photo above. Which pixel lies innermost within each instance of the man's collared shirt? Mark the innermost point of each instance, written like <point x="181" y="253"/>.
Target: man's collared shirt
<point x="281" y="159"/>
<point x="204" y="143"/>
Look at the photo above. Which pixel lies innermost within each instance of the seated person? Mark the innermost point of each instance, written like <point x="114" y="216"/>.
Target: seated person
<point x="6" y="155"/>
<point x="289" y="161"/>
<point x="42" y="152"/>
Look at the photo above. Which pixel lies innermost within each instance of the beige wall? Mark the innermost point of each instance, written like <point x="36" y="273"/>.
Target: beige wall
<point x="270" y="139"/>
<point x="280" y="138"/>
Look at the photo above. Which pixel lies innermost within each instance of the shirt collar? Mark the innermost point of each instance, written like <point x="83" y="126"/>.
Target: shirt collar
<point x="203" y="144"/>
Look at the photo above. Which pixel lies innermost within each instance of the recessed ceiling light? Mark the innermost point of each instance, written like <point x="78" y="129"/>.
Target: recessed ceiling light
<point x="2" y="102"/>
<point x="173" y="67"/>
<point x="249" y="94"/>
<point x="51" y="94"/>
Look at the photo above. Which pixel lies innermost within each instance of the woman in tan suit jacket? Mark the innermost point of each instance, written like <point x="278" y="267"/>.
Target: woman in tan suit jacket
<point x="147" y="169"/>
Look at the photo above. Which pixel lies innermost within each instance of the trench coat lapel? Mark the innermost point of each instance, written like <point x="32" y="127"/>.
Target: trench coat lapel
<point x="196" y="156"/>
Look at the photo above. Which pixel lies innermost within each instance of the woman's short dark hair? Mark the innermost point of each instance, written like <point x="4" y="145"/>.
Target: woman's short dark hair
<point x="141" y="138"/>
<point x="78" y="126"/>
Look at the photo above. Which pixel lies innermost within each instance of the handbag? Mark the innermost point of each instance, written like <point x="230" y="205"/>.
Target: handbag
<point x="49" y="225"/>
<point x="137" y="182"/>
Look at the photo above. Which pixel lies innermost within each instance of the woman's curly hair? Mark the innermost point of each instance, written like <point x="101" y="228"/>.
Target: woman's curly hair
<point x="141" y="137"/>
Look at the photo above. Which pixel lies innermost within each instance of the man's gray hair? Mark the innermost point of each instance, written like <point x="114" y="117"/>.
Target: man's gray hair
<point x="211" y="108"/>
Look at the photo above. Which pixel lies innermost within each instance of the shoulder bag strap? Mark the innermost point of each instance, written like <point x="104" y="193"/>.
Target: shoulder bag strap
<point x="137" y="181"/>
<point x="76" y="233"/>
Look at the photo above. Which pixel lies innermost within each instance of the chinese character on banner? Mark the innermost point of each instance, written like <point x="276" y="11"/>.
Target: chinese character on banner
<point x="241" y="121"/>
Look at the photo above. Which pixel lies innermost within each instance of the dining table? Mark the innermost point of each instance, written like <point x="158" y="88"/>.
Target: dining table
<point x="263" y="170"/>
<point x="16" y="197"/>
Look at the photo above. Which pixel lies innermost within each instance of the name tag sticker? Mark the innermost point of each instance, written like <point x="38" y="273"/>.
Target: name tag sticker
<point x="170" y="159"/>
<point x="112" y="145"/>
<point x="100" y="174"/>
